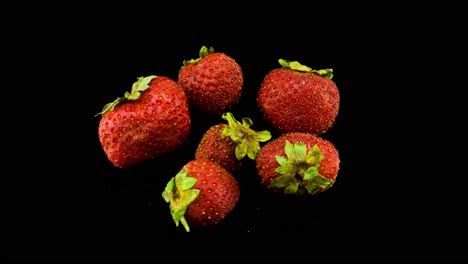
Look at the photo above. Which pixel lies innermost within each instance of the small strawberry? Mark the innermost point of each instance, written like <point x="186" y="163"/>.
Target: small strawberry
<point x="213" y="82"/>
<point x="152" y="120"/>
<point x="296" y="98"/>
<point x="298" y="164"/>
<point x="201" y="195"/>
<point x="227" y="144"/>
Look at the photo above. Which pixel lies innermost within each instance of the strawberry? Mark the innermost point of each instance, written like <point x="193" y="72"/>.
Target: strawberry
<point x="227" y="144"/>
<point x="150" y="121"/>
<point x="213" y="82"/>
<point x="298" y="163"/>
<point x="295" y="98"/>
<point x="201" y="194"/>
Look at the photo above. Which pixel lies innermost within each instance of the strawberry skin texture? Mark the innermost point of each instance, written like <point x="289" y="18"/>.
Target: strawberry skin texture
<point x="266" y="163"/>
<point x="293" y="101"/>
<point x="155" y="124"/>
<point x="218" y="148"/>
<point x="213" y="84"/>
<point x="219" y="193"/>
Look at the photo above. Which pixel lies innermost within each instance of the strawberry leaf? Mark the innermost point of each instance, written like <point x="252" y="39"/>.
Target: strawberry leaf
<point x="296" y="66"/>
<point x="167" y="191"/>
<point x="283" y="181"/>
<point x="314" y="156"/>
<point x="311" y="173"/>
<point x="141" y="85"/>
<point x="284" y="165"/>
<point x="184" y="182"/>
<point x="262" y="136"/>
<point x="246" y="122"/>
<point x="296" y="153"/>
<point x="241" y="151"/>
<point x="317" y="182"/>
<point x="110" y="106"/>
<point x="292" y="188"/>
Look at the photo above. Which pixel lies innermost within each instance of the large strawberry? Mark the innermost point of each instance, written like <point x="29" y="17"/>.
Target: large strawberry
<point x="298" y="164"/>
<point x="213" y="82"/>
<point x="151" y="120"/>
<point x="296" y="98"/>
<point x="227" y="144"/>
<point x="201" y="195"/>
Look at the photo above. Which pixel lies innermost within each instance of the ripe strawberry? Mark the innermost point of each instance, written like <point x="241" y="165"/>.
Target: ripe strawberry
<point x="227" y="144"/>
<point x="296" y="98"/>
<point x="298" y="164"/>
<point x="201" y="195"/>
<point x="213" y="82"/>
<point x="152" y="120"/>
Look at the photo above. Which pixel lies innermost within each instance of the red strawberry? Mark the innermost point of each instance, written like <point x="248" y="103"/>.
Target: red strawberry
<point x="213" y="82"/>
<point x="152" y="120"/>
<point x="296" y="98"/>
<point x="227" y="144"/>
<point x="298" y="164"/>
<point x="201" y="195"/>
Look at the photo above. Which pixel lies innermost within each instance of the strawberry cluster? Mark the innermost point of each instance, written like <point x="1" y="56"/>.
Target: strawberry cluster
<point x="154" y="119"/>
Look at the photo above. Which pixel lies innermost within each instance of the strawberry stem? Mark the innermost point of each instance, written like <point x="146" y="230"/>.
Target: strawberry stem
<point x="295" y="65"/>
<point x="139" y="86"/>
<point x="247" y="139"/>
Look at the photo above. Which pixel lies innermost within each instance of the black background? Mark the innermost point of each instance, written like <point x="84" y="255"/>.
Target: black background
<point x="395" y="196"/>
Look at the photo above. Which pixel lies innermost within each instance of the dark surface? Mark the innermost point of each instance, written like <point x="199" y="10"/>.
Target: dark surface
<point x="69" y="202"/>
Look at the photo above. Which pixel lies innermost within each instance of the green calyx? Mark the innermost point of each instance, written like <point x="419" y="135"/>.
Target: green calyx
<point x="204" y="51"/>
<point x="299" y="170"/>
<point x="295" y="65"/>
<point x="247" y="139"/>
<point x="179" y="194"/>
<point x="141" y="85"/>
